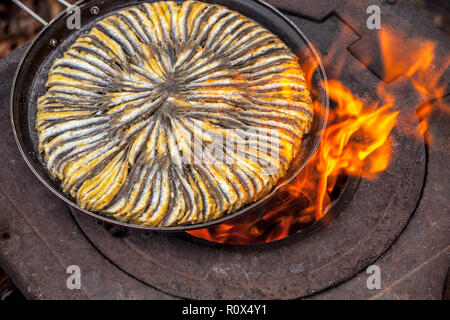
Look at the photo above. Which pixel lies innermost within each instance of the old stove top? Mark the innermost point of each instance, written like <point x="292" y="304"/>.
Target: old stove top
<point x="399" y="221"/>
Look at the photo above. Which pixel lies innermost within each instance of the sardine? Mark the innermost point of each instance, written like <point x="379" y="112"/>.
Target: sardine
<point x="161" y="114"/>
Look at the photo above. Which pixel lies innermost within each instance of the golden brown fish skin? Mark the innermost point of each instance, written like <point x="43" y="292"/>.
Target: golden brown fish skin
<point x="127" y="100"/>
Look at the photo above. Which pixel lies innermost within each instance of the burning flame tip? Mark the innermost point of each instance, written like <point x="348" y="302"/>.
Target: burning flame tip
<point x="357" y="142"/>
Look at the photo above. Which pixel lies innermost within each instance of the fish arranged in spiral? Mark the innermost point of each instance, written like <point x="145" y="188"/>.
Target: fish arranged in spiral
<point x="134" y="105"/>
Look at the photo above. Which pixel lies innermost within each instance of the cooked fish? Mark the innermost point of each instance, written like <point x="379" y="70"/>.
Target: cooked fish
<point x="162" y="114"/>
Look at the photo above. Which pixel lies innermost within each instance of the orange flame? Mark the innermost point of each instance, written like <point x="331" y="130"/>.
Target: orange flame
<point x="356" y="142"/>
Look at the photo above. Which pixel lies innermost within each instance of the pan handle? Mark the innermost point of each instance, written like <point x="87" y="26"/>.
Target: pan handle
<point x="34" y="14"/>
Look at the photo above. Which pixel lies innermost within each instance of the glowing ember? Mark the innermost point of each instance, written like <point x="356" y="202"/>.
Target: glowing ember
<point x="356" y="142"/>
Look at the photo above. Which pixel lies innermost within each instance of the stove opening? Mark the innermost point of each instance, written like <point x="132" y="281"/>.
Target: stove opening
<point x="283" y="215"/>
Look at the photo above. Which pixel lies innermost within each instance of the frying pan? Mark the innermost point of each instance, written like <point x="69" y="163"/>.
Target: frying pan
<point x="55" y="38"/>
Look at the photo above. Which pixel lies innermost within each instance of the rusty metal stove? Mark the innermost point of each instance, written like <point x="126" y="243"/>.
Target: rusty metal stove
<point x="399" y="221"/>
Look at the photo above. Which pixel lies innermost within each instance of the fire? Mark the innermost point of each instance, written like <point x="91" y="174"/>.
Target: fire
<point x="357" y="142"/>
<point x="421" y="68"/>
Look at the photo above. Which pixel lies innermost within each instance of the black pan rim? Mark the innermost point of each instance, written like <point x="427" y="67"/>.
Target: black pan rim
<point x="181" y="228"/>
